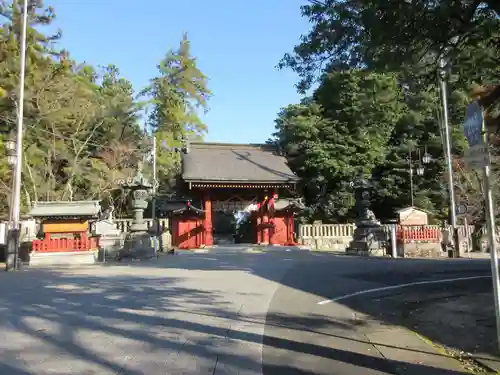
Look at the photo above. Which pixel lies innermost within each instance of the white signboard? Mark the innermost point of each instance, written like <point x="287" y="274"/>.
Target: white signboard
<point x="477" y="156"/>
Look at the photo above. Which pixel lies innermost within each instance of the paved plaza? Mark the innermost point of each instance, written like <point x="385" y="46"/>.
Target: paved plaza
<point x="174" y="316"/>
<point x="209" y="313"/>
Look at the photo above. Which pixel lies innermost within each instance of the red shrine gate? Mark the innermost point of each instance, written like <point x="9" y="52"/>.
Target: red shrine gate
<point x="230" y="178"/>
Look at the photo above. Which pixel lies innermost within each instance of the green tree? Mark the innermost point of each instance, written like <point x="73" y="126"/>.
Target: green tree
<point x="396" y="35"/>
<point x="177" y="95"/>
<point x="407" y="38"/>
<point x="363" y="120"/>
<point x="418" y="131"/>
<point x="81" y="127"/>
<point x="122" y="119"/>
<point x="342" y="129"/>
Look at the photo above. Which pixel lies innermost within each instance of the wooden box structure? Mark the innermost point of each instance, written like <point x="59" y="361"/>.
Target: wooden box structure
<point x="65" y="226"/>
<point x="228" y="178"/>
<point x="412" y="216"/>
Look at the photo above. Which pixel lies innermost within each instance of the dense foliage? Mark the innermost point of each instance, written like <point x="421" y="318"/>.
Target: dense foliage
<point x="82" y="123"/>
<point x="370" y="72"/>
<point x="176" y="96"/>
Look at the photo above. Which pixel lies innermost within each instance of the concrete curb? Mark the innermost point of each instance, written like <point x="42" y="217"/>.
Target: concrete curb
<point x="442" y="350"/>
<point x="339" y="253"/>
<point x="485" y="363"/>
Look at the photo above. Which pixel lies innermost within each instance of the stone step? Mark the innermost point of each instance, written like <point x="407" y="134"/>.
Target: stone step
<point x="69" y="258"/>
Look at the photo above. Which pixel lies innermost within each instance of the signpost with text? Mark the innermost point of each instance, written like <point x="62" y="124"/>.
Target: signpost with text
<point x="478" y="156"/>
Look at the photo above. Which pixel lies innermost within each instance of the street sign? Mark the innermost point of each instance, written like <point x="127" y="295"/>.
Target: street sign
<point x="473" y="127"/>
<point x="461" y="209"/>
<point x="477" y="155"/>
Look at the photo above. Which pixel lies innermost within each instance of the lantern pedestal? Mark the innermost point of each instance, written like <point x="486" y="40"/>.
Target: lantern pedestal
<point x="368" y="239"/>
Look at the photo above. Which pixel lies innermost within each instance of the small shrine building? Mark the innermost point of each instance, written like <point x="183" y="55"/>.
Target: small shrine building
<point x="65" y="226"/>
<point x="232" y="178"/>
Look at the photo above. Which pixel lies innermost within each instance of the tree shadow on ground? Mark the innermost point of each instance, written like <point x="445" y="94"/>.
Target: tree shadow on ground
<point x="395" y="307"/>
<point x="145" y="322"/>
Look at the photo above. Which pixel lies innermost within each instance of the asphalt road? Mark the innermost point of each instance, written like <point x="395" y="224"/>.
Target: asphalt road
<point x="305" y="336"/>
<point x="222" y="312"/>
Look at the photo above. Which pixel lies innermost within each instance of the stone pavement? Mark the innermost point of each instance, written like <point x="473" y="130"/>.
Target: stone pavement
<point x="197" y="313"/>
<point x="142" y="318"/>
<point x="350" y="343"/>
<point x="304" y="336"/>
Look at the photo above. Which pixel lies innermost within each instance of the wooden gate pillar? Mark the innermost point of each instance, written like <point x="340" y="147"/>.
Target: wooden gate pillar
<point x="208" y="223"/>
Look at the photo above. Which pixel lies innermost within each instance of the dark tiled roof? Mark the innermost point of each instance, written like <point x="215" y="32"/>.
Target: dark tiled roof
<point x="73" y="208"/>
<point x="219" y="162"/>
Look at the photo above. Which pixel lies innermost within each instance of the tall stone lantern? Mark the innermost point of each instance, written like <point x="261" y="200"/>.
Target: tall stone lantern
<point x="369" y="237"/>
<point x="362" y="193"/>
<point x="138" y="241"/>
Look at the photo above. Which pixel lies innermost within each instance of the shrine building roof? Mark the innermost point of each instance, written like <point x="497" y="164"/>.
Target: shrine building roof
<point x="235" y="163"/>
<point x="66" y="209"/>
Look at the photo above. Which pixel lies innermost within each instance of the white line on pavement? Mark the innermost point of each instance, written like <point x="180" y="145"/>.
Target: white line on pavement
<point x="399" y="286"/>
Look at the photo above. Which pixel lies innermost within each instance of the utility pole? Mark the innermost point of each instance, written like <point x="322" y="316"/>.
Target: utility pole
<point x="447" y="145"/>
<point x="153" y="201"/>
<point x="15" y="207"/>
<point x="410" y="165"/>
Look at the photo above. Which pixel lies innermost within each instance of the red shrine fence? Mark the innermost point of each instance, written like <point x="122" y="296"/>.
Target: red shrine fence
<point x="64" y="244"/>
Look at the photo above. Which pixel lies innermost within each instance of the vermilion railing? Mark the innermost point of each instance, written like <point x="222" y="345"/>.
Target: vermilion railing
<point x="423" y="233"/>
<point x="64" y="244"/>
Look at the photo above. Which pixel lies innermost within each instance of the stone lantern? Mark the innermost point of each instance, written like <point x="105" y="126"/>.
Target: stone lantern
<point x="362" y="193"/>
<point x="138" y="242"/>
<point x="369" y="237"/>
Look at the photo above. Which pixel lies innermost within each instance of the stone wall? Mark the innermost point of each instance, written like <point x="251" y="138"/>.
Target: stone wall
<point x="420" y="250"/>
<point x="327" y="244"/>
<point x="326" y="237"/>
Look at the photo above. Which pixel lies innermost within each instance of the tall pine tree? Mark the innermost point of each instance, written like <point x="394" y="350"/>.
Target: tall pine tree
<point x="178" y="94"/>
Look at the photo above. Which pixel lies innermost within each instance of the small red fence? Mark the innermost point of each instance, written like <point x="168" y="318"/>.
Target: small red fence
<point x="424" y="233"/>
<point x="52" y="245"/>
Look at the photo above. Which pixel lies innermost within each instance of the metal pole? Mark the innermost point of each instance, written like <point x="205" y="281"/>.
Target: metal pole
<point x="411" y="187"/>
<point x="467" y="239"/>
<point x="410" y="166"/>
<point x="15" y="209"/>
<point x="447" y="143"/>
<point x="490" y="215"/>
<point x="153" y="201"/>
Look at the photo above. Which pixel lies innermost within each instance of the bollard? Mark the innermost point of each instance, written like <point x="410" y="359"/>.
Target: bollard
<point x="394" y="247"/>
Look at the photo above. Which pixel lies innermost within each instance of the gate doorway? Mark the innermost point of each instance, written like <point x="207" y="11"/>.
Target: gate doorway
<point x="224" y="227"/>
<point x="233" y="227"/>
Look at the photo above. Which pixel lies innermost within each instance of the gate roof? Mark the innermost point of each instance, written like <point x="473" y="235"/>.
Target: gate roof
<point x="235" y="163"/>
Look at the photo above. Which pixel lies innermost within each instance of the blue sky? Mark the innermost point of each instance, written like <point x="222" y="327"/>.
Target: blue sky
<point x="237" y="45"/>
